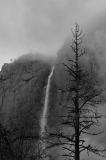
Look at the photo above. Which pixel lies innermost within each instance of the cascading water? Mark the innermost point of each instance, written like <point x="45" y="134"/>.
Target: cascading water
<point x="43" y="122"/>
<point x="44" y="115"/>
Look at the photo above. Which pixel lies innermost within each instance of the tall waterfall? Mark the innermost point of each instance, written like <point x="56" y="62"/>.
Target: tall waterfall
<point x="46" y="102"/>
<point x="43" y="122"/>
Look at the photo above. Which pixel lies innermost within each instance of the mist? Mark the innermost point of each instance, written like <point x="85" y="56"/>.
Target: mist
<point x="36" y="57"/>
<point x="43" y="26"/>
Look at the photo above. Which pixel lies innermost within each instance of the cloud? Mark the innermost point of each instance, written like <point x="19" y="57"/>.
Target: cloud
<point x="43" y="26"/>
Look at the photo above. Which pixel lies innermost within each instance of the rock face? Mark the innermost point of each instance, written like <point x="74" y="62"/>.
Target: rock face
<point x="58" y="84"/>
<point x="21" y="99"/>
<point x="22" y="94"/>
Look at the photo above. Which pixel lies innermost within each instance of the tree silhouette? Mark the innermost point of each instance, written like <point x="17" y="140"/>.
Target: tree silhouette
<point x="83" y="94"/>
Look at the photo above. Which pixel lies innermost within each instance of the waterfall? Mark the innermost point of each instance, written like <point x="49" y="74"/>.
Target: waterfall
<point x="46" y="102"/>
<point x="43" y="121"/>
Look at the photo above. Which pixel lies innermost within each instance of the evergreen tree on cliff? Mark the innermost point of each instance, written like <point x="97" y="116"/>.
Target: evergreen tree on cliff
<point x="83" y="98"/>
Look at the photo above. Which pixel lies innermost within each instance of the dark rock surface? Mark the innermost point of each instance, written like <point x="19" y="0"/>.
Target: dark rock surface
<point x="22" y="87"/>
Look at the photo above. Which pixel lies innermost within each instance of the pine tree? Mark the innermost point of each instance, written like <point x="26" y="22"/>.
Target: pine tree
<point x="83" y="98"/>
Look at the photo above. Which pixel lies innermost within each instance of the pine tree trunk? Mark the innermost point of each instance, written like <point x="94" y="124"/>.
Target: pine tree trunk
<point x="77" y="154"/>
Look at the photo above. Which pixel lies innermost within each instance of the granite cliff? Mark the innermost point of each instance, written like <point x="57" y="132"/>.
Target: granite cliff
<point x="21" y="102"/>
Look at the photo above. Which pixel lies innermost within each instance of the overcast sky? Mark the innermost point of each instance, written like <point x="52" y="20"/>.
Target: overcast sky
<point x="44" y="25"/>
